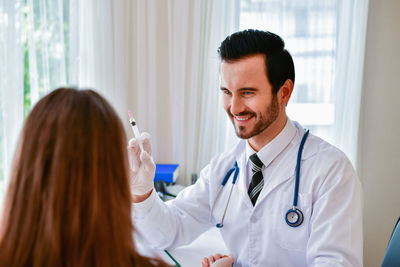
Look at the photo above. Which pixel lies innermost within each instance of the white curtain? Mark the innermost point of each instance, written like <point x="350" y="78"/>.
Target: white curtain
<point x="33" y="43"/>
<point x="352" y="25"/>
<point x="100" y="49"/>
<point x="176" y="86"/>
<point x="157" y="58"/>
<point x="326" y="39"/>
<point x="46" y="46"/>
<point x="67" y="43"/>
<point x="11" y="84"/>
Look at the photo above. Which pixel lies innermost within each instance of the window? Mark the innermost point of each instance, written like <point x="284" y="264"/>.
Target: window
<point x="34" y="44"/>
<point x="310" y="34"/>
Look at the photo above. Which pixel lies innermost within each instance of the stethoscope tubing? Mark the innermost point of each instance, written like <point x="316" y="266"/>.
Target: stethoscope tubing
<point x="224" y="181"/>
<point x="221" y="224"/>
<point x="297" y="182"/>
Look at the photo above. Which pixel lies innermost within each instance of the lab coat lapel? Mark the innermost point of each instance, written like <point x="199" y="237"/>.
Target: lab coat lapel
<point x="241" y="160"/>
<point x="271" y="184"/>
<point x="279" y="158"/>
<point x="286" y="168"/>
<point x="278" y="176"/>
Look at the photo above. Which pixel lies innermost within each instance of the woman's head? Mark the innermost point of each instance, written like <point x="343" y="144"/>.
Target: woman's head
<point x="68" y="203"/>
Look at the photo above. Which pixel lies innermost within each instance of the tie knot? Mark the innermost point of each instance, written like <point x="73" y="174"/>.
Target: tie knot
<point x="256" y="163"/>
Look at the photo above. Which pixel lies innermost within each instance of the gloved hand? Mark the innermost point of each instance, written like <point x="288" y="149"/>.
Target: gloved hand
<point x="141" y="164"/>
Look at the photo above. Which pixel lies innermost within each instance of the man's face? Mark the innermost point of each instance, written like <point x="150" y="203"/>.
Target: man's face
<point x="248" y="98"/>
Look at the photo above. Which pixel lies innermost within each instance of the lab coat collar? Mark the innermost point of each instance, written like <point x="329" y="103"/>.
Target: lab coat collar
<point x="290" y="136"/>
<point x="271" y="150"/>
<point x="287" y="167"/>
<point x="310" y="148"/>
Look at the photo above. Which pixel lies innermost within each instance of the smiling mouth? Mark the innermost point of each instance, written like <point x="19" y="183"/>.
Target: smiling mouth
<point x="242" y="118"/>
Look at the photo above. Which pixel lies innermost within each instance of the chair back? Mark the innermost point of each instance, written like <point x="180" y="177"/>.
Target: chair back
<point x="392" y="256"/>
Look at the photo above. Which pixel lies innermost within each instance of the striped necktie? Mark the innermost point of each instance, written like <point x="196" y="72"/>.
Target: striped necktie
<point x="257" y="181"/>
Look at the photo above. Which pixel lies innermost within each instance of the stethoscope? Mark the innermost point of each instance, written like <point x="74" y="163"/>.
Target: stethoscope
<point x="294" y="216"/>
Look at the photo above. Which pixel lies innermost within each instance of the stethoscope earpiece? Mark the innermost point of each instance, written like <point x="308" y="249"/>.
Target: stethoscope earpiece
<point x="294" y="217"/>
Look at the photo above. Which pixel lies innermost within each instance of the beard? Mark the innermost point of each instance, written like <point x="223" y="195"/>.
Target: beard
<point x="263" y="120"/>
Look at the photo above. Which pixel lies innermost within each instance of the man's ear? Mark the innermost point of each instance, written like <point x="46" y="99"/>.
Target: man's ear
<point x="285" y="92"/>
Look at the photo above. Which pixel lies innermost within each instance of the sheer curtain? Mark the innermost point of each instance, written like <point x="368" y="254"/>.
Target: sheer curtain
<point x="100" y="49"/>
<point x="32" y="43"/>
<point x="57" y="43"/>
<point x="157" y="58"/>
<point x="352" y="25"/>
<point x="326" y="39"/>
<point x="47" y="47"/>
<point x="11" y="84"/>
<point x="176" y="91"/>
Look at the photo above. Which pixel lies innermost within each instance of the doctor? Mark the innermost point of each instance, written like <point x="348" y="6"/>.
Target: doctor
<point x="259" y="219"/>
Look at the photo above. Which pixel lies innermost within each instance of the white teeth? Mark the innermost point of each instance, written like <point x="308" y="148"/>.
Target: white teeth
<point x="241" y="119"/>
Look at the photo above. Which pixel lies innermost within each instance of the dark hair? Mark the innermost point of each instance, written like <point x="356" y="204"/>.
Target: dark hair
<point x="68" y="202"/>
<point x="279" y="62"/>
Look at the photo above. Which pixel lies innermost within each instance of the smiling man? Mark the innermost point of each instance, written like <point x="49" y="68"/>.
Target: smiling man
<point x="250" y="101"/>
<point x="274" y="213"/>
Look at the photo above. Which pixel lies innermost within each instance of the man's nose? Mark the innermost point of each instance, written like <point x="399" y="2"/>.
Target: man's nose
<point x="236" y="105"/>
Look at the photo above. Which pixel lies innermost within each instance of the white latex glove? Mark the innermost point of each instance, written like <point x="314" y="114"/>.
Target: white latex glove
<point x="218" y="260"/>
<point x="141" y="164"/>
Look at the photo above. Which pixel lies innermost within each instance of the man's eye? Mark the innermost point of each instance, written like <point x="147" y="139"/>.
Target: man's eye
<point x="227" y="92"/>
<point x="246" y="93"/>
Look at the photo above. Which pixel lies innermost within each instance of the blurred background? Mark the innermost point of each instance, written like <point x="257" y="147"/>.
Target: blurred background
<point x="159" y="59"/>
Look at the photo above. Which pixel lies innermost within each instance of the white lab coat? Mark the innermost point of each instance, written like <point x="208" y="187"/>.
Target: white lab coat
<point x="330" y="198"/>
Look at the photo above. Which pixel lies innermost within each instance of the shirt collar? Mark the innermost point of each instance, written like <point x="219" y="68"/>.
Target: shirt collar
<point x="271" y="150"/>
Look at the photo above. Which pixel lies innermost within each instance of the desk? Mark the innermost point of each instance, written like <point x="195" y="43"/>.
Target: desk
<point x="190" y="255"/>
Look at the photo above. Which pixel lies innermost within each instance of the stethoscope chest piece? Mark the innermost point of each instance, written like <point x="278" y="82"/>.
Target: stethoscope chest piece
<point x="294" y="217"/>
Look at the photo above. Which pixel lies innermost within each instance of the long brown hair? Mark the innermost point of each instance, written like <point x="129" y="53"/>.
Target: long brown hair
<point x="68" y="201"/>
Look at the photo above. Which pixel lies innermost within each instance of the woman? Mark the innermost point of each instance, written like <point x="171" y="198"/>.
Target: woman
<point x="68" y="202"/>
